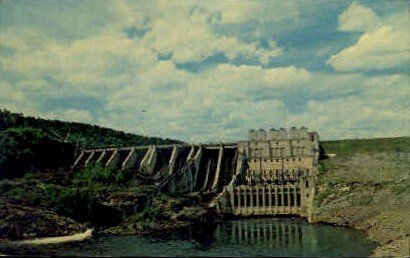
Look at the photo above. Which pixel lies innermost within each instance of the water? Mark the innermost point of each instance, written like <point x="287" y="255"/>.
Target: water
<point x="245" y="237"/>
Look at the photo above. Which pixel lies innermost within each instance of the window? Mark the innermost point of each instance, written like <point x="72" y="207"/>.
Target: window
<point x="298" y="199"/>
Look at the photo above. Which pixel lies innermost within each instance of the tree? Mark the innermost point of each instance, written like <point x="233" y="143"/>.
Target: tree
<point x="25" y="149"/>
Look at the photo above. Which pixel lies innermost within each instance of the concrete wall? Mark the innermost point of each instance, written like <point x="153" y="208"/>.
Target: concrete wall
<point x="279" y="174"/>
<point x="273" y="172"/>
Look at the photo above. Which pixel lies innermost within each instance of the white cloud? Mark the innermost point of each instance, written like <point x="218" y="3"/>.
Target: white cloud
<point x="15" y="99"/>
<point x="384" y="45"/>
<point x="382" y="48"/>
<point x="82" y="67"/>
<point x="220" y="104"/>
<point x="72" y="115"/>
<point x="8" y="92"/>
<point x="193" y="39"/>
<point x="358" y="18"/>
<point x="235" y="12"/>
<point x="139" y="93"/>
<point x="217" y="104"/>
<point x="381" y="110"/>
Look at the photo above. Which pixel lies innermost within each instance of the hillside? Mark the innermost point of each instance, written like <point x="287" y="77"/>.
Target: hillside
<point x="377" y="145"/>
<point x="81" y="135"/>
<point x="366" y="186"/>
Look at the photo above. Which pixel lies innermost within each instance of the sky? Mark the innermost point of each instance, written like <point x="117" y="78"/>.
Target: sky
<point x="208" y="71"/>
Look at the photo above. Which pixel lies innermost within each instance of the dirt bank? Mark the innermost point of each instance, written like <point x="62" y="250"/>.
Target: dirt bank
<point x="367" y="191"/>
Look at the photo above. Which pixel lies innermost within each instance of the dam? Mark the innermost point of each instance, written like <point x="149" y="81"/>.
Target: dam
<point x="273" y="172"/>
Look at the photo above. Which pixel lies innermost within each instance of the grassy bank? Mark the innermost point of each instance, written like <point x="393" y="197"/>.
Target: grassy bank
<point x="366" y="186"/>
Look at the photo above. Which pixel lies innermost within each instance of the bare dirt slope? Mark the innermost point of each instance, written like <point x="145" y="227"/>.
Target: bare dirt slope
<point x="367" y="186"/>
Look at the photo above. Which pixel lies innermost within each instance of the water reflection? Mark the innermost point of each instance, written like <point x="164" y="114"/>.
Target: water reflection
<point x="269" y="232"/>
<point x="282" y="236"/>
<point x="247" y="232"/>
<point x="245" y="237"/>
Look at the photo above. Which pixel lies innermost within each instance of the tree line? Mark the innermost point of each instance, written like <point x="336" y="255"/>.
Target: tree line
<point x="30" y="143"/>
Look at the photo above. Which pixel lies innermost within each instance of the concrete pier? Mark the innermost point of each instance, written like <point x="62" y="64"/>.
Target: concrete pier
<point x="273" y="172"/>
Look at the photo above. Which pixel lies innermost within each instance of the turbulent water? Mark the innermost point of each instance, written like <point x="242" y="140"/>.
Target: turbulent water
<point x="245" y="237"/>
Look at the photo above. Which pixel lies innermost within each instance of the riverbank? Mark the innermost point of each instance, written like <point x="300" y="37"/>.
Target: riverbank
<point x="367" y="189"/>
<point x="245" y="237"/>
<point x="47" y="206"/>
<point x="163" y="216"/>
<point x="27" y="212"/>
<point x="343" y="204"/>
<point x="364" y="186"/>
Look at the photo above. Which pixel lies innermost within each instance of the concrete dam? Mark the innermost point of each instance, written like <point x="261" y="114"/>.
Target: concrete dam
<point x="271" y="173"/>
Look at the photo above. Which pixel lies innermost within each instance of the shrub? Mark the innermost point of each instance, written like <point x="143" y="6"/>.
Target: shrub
<point x="26" y="149"/>
<point x="77" y="203"/>
<point x="80" y="200"/>
<point x="97" y="174"/>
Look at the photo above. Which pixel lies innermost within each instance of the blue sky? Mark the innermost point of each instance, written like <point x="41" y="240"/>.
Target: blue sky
<point x="210" y="70"/>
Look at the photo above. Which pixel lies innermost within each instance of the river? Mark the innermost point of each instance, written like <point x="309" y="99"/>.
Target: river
<point x="245" y="237"/>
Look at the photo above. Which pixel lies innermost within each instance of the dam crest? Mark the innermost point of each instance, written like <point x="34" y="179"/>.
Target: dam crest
<point x="272" y="173"/>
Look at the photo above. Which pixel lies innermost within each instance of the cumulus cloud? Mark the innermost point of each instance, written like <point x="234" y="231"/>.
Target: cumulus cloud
<point x="80" y="68"/>
<point x="132" y="66"/>
<point x="381" y="109"/>
<point x="221" y="99"/>
<point x="193" y="39"/>
<point x="358" y="18"/>
<point x="384" y="44"/>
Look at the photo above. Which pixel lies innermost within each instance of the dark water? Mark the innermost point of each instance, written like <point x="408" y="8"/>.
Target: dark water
<point x="245" y="237"/>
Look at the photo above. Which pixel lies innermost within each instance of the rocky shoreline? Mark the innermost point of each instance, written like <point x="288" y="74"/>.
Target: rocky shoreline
<point x="350" y="196"/>
<point x="390" y="238"/>
<point x="28" y="213"/>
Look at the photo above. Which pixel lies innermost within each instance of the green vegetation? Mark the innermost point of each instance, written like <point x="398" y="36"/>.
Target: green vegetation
<point x="348" y="147"/>
<point x="81" y="135"/>
<point x="80" y="200"/>
<point x="55" y="200"/>
<point x="147" y="217"/>
<point x="96" y="174"/>
<point x="28" y="143"/>
<point x="73" y="202"/>
<point x="25" y="149"/>
<point x="365" y="161"/>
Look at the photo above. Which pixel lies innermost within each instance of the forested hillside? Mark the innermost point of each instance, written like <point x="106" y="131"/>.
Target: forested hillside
<point x="33" y="144"/>
<point x="81" y="135"/>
